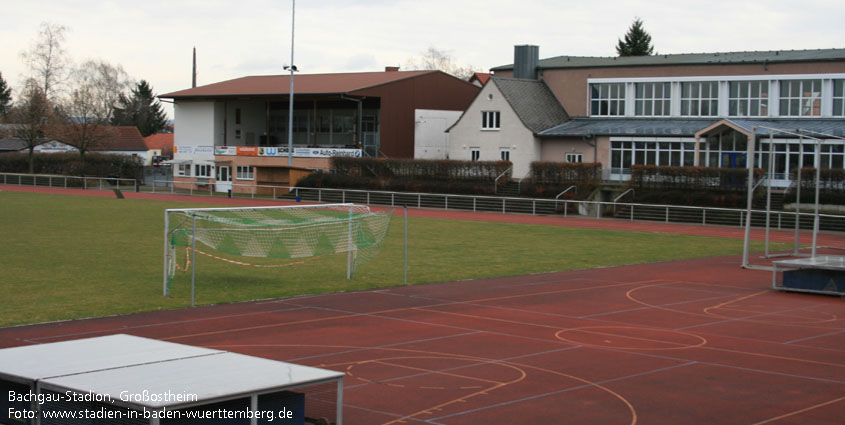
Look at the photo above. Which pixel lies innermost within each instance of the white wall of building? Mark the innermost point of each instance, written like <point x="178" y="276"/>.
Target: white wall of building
<point x="431" y="141"/>
<point x="512" y="134"/>
<point x="199" y="129"/>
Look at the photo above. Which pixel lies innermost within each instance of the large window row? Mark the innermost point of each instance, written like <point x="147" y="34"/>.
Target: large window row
<point x="789" y="155"/>
<point x="607" y="99"/>
<point x="624" y="154"/>
<point x="700" y="99"/>
<point x="727" y="150"/>
<point x="751" y="98"/>
<point x="652" y="99"/>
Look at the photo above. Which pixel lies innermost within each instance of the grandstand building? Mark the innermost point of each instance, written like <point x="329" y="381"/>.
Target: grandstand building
<point x="679" y="110"/>
<point x="236" y="131"/>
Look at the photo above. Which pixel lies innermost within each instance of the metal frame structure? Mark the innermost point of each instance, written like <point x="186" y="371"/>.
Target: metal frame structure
<point x="350" y="254"/>
<point x="802" y="134"/>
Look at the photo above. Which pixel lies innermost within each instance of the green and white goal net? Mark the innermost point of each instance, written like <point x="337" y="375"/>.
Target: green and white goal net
<point x="289" y="234"/>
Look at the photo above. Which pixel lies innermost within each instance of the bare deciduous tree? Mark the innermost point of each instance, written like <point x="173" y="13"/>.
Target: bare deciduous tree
<point x="107" y="84"/>
<point x="98" y="87"/>
<point x="32" y="117"/>
<point x="437" y="59"/>
<point x="47" y="60"/>
<point x="85" y="121"/>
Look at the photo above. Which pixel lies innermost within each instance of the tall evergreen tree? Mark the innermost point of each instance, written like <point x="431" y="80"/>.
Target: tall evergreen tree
<point x="142" y="110"/>
<point x="637" y="41"/>
<point x="5" y="97"/>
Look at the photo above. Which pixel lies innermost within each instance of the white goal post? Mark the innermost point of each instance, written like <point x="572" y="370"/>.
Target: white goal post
<point x="293" y="233"/>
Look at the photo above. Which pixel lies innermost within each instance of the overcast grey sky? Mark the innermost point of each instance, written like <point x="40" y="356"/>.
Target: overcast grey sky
<point x="152" y="39"/>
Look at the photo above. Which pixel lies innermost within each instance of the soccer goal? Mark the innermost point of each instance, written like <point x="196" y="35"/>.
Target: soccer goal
<point x="809" y="141"/>
<point x="290" y="234"/>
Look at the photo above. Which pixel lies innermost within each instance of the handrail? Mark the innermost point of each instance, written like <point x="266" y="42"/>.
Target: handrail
<point x="496" y="182"/>
<point x="567" y="190"/>
<point x="759" y="182"/>
<point x="69" y="177"/>
<point x="631" y="190"/>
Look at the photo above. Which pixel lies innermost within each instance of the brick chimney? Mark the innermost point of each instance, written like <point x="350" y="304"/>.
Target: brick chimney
<point x="391" y="68"/>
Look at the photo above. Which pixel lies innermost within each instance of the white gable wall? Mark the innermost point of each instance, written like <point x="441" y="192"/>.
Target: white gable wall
<point x="512" y="134"/>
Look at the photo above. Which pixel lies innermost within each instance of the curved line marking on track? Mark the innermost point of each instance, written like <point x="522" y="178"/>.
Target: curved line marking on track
<point x="519" y="366"/>
<point x="680" y="345"/>
<point x="797" y="412"/>
<point x="343" y="316"/>
<point x="808" y="320"/>
<point x="707" y="314"/>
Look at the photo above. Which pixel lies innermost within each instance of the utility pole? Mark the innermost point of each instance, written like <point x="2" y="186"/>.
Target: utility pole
<point x="194" y="72"/>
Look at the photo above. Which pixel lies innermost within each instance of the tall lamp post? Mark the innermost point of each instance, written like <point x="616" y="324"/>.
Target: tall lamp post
<point x="292" y="69"/>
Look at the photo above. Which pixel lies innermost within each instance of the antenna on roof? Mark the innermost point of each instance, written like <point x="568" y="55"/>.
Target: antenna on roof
<point x="194" y="72"/>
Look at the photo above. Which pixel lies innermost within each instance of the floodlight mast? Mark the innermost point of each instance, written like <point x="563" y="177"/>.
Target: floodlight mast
<point x="292" y="69"/>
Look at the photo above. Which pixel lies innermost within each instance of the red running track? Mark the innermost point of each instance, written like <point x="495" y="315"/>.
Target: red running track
<point x="684" y="342"/>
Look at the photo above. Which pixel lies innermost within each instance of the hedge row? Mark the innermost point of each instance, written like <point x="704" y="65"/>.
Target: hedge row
<point x="549" y="179"/>
<point x="699" y="198"/>
<point x="830" y="178"/>
<point x="690" y="178"/>
<point x="831" y="190"/>
<point x="71" y="164"/>
<point x="420" y="169"/>
<point x="341" y="181"/>
<point x="559" y="173"/>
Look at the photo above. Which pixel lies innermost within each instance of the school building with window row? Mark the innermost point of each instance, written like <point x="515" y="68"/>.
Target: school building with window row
<point x="679" y="110"/>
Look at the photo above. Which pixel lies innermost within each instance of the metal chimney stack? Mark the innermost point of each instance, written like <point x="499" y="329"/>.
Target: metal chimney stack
<point x="526" y="58"/>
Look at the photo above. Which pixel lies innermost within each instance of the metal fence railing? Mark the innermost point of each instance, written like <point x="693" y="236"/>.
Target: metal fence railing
<point x="515" y="205"/>
<point x="48" y="180"/>
<point x="506" y="205"/>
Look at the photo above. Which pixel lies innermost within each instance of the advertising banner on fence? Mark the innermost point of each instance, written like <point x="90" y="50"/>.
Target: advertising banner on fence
<point x="325" y="152"/>
<point x="272" y="151"/>
<point x="226" y="150"/>
<point x="282" y="151"/>
<point x="247" y="151"/>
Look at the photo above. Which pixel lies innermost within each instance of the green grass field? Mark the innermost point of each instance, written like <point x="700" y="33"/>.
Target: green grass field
<point x="65" y="257"/>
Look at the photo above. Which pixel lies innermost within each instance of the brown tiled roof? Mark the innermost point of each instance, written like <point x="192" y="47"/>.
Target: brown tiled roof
<point x="116" y="138"/>
<point x="122" y="138"/>
<point x="482" y="77"/>
<point x="268" y="85"/>
<point x="159" y="141"/>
